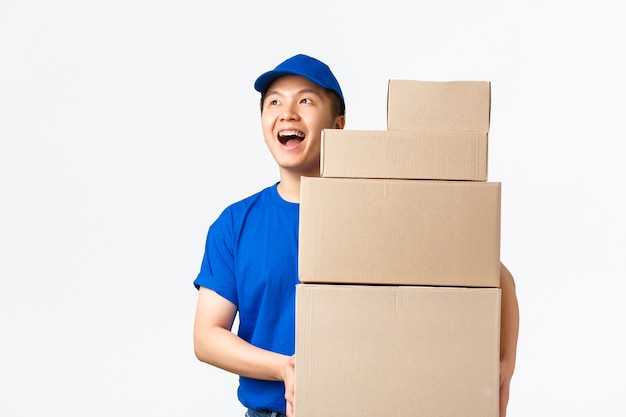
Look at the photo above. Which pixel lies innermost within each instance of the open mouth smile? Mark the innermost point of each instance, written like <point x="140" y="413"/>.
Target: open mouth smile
<point x="290" y="137"/>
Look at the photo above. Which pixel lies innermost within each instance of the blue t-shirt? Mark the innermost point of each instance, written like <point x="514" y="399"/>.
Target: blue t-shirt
<point x="251" y="259"/>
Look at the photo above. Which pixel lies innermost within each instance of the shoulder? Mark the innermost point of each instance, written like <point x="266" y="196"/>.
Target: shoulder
<point x="259" y="198"/>
<point x="259" y="201"/>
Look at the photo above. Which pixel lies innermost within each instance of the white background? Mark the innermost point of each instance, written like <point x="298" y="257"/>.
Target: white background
<point x="127" y="126"/>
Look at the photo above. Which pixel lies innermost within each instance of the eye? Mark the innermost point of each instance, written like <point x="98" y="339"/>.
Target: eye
<point x="271" y="103"/>
<point x="306" y="101"/>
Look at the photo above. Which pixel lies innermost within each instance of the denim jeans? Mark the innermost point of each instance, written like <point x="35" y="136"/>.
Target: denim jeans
<point x="257" y="413"/>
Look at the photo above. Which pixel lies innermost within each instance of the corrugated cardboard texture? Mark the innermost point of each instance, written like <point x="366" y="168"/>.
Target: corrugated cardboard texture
<point x="438" y="106"/>
<point x="404" y="154"/>
<point x="404" y="232"/>
<point x="397" y="351"/>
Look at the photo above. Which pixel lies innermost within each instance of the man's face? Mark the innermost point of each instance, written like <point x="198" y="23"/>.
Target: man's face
<point x="295" y="111"/>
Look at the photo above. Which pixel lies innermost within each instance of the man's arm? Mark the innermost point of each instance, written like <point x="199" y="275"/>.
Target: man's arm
<point x="509" y="329"/>
<point x="217" y="345"/>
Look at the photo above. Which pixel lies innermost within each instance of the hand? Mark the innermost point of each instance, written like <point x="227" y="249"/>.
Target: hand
<point x="288" y="378"/>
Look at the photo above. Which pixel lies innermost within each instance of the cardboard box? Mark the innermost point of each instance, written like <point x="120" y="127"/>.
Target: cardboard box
<point x="399" y="232"/>
<point x="439" y="106"/>
<point x="397" y="351"/>
<point x="404" y="154"/>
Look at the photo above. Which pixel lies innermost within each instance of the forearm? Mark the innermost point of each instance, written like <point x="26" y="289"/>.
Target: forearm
<point x="222" y="348"/>
<point x="509" y="326"/>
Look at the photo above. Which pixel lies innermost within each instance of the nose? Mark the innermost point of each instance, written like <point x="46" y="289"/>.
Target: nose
<point x="289" y="111"/>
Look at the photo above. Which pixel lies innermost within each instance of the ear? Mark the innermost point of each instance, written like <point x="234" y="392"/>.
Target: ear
<point x="340" y="122"/>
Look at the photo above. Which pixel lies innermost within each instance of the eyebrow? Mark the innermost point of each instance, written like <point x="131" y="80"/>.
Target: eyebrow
<point x="301" y="91"/>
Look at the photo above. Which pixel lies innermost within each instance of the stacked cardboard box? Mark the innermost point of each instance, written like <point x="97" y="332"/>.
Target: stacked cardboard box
<point x="398" y="312"/>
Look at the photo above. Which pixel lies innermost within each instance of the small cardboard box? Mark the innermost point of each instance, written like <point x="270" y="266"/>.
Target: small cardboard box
<point x="404" y="154"/>
<point x="439" y="106"/>
<point x="399" y="232"/>
<point x="397" y="351"/>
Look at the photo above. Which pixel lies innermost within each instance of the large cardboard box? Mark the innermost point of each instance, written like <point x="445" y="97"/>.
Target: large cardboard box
<point x="397" y="351"/>
<point x="399" y="232"/>
<point x="404" y="154"/>
<point x="438" y="106"/>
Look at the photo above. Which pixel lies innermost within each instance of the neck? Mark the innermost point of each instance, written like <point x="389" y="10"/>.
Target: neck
<point x="289" y="186"/>
<point x="289" y="189"/>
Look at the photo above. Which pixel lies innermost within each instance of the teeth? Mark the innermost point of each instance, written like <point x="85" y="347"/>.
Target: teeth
<point x="284" y="133"/>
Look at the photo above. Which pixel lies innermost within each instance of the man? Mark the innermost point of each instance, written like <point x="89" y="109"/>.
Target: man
<point x="250" y="260"/>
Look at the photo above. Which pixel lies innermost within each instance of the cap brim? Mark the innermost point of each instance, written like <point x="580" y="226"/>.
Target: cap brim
<point x="263" y="82"/>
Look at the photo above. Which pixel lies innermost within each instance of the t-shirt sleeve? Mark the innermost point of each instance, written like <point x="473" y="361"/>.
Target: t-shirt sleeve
<point x="217" y="271"/>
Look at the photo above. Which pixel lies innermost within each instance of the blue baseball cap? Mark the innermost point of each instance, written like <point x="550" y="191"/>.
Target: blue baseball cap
<point x="305" y="66"/>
